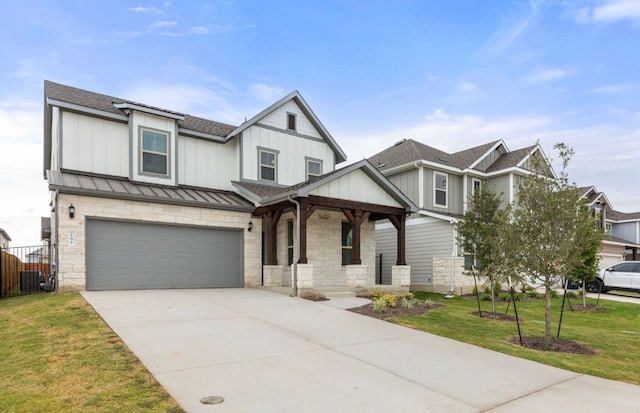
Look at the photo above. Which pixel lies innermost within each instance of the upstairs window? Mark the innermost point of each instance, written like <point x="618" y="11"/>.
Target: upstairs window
<point x="440" y="189"/>
<point x="476" y="186"/>
<point x="291" y="121"/>
<point x="347" y="242"/>
<point x="314" y="167"/>
<point x="154" y="153"/>
<point x="268" y="164"/>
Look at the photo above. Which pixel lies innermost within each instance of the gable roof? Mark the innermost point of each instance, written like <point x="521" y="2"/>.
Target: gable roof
<point x="409" y="151"/>
<point x="268" y="194"/>
<point x="5" y="235"/>
<point x="306" y="109"/>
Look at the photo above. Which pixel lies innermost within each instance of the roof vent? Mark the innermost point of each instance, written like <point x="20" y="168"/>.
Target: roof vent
<point x="399" y="142"/>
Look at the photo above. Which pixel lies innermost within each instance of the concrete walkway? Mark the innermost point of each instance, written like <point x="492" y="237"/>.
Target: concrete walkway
<point x="267" y="352"/>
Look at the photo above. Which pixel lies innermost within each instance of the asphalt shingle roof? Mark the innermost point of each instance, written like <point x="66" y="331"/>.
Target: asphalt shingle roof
<point x="409" y="150"/>
<point x="105" y="103"/>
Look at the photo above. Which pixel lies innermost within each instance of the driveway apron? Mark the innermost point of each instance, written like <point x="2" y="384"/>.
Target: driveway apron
<point x="267" y="352"/>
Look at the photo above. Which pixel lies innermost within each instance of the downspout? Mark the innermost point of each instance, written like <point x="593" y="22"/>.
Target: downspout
<point x="56" y="239"/>
<point x="296" y="256"/>
<point x="453" y="262"/>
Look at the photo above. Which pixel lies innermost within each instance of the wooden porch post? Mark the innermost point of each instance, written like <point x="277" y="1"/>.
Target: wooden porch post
<point x="398" y="221"/>
<point x="303" y="233"/>
<point x="272" y="218"/>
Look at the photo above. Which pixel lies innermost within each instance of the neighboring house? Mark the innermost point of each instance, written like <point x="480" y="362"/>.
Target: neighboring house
<point x="441" y="184"/>
<point x="145" y="197"/>
<point x="4" y="239"/>
<point x="622" y="230"/>
<point x="37" y="255"/>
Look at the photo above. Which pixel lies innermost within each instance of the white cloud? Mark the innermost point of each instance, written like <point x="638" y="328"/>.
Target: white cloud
<point x="24" y="190"/>
<point x="615" y="89"/>
<point x="140" y="9"/>
<point x="199" y="30"/>
<point x="608" y="11"/>
<point x="163" y="23"/>
<point x="467" y="87"/>
<point x="547" y="75"/>
<point x="617" y="10"/>
<point x="266" y="92"/>
<point x="512" y="28"/>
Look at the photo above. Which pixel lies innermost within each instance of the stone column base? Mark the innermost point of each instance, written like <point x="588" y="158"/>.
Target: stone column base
<point x="401" y="275"/>
<point x="359" y="276"/>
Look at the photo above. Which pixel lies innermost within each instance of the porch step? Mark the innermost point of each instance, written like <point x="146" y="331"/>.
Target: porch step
<point x="337" y="294"/>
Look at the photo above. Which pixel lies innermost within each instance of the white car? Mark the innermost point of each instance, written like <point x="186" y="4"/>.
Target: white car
<point x="622" y="276"/>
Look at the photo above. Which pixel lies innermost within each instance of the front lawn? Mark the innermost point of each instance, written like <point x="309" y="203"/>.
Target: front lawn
<point x="57" y="355"/>
<point x="615" y="335"/>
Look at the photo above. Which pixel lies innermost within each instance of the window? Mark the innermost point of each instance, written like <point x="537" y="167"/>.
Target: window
<point x="290" y="242"/>
<point x="314" y="167"/>
<point x="291" y="121"/>
<point x="440" y="189"/>
<point x="154" y="153"/>
<point x="347" y="242"/>
<point x="476" y="186"/>
<point x="268" y="164"/>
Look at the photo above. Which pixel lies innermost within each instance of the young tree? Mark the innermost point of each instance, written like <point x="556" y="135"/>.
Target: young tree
<point x="480" y="234"/>
<point x="586" y="270"/>
<point x="550" y="230"/>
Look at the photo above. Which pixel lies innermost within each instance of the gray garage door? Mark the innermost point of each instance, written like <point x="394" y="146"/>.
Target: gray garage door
<point x="131" y="256"/>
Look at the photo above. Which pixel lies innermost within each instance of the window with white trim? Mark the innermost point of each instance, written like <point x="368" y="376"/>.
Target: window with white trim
<point x="268" y="164"/>
<point x="154" y="152"/>
<point x="440" y="189"/>
<point x="314" y="167"/>
<point x="476" y="186"/>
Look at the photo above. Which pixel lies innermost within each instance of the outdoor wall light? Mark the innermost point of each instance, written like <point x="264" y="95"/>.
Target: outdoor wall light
<point x="250" y="226"/>
<point x="72" y="211"/>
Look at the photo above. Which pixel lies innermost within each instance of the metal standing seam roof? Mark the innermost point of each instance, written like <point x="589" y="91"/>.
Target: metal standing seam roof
<point x="107" y="187"/>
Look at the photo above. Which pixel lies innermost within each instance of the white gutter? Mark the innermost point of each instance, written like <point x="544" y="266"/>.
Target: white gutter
<point x="296" y="257"/>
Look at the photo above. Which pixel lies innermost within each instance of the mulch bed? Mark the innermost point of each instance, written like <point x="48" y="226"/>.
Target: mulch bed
<point x="590" y="308"/>
<point x="496" y="316"/>
<point x="558" y="345"/>
<point x="420" y="308"/>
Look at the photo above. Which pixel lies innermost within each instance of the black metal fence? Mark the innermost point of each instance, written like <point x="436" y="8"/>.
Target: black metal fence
<point x="25" y="270"/>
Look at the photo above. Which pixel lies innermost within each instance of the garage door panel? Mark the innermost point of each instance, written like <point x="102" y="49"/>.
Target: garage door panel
<point x="135" y="255"/>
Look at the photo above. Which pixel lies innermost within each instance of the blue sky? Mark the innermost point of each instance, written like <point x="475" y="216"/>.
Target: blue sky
<point x="450" y="74"/>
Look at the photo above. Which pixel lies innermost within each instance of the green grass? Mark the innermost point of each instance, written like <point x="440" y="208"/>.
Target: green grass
<point x="615" y="335"/>
<point x="56" y="354"/>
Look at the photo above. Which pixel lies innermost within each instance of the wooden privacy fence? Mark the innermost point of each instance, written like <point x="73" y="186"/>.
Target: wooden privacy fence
<point x="23" y="270"/>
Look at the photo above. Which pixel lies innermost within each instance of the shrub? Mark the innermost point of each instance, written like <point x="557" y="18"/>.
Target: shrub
<point x="379" y="305"/>
<point x="485" y="297"/>
<point x="376" y="294"/>
<point x="571" y="294"/>
<point x="390" y="300"/>
<point x="407" y="303"/>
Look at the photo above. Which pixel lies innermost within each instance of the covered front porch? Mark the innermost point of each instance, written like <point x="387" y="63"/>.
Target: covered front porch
<point x="319" y="236"/>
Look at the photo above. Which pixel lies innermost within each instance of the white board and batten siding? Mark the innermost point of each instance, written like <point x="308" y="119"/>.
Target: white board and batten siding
<point x="278" y="119"/>
<point x="292" y="149"/>
<point x="207" y="164"/>
<point x="94" y="145"/>
<point x="425" y="238"/>
<point x="356" y="186"/>
<point x="158" y="123"/>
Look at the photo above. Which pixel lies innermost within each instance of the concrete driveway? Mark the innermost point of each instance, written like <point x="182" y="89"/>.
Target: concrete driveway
<point x="267" y="352"/>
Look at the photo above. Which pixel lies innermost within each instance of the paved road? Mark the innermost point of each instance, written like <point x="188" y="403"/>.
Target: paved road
<point x="267" y="352"/>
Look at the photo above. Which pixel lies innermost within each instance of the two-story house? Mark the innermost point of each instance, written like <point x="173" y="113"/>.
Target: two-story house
<point x="441" y="184"/>
<point x="622" y="230"/>
<point x="4" y="239"/>
<point x="144" y="197"/>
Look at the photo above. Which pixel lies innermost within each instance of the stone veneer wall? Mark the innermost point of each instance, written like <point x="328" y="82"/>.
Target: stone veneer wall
<point x="71" y="266"/>
<point x="324" y="252"/>
<point x="442" y="271"/>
